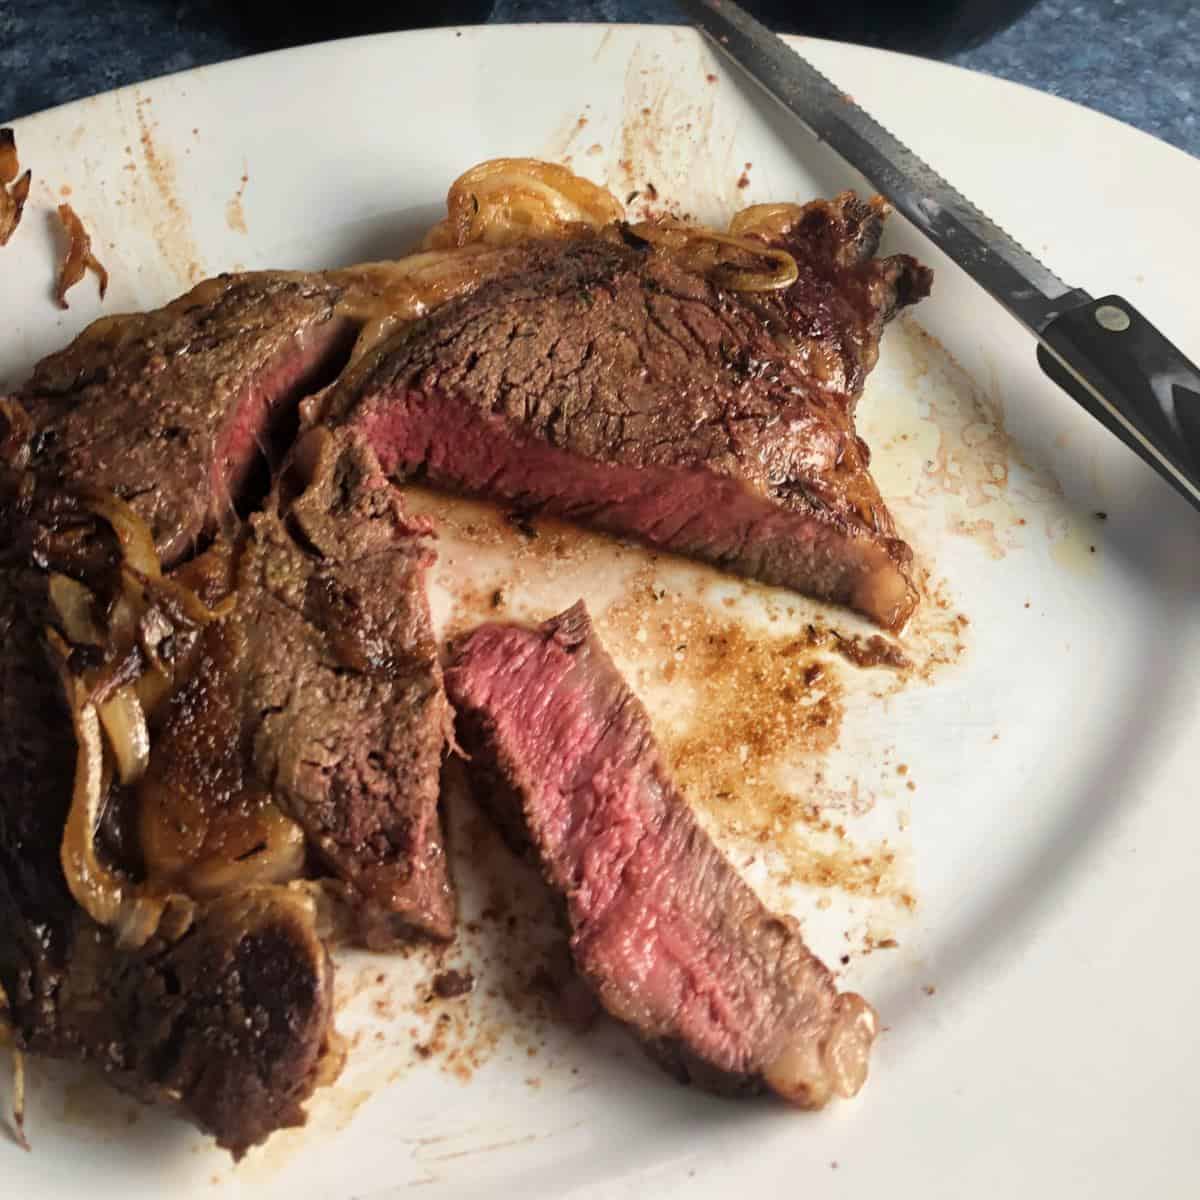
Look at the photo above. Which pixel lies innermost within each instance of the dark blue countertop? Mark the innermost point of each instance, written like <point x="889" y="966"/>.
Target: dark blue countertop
<point x="1137" y="61"/>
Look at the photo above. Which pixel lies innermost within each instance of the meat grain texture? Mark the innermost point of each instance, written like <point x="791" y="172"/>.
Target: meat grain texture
<point x="605" y="383"/>
<point x="602" y="378"/>
<point x="311" y="714"/>
<point x="231" y="1026"/>
<point x="674" y="943"/>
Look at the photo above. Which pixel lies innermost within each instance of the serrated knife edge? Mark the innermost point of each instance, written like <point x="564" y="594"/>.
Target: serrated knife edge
<point x="1007" y="269"/>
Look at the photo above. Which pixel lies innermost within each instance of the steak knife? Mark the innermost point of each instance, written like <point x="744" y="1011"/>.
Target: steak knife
<point x="1103" y="353"/>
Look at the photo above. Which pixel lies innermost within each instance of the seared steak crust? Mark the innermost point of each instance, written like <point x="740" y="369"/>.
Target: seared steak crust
<point x="322" y="689"/>
<point x="603" y="379"/>
<point x="606" y="383"/>
<point x="169" y="409"/>
<point x="232" y="1024"/>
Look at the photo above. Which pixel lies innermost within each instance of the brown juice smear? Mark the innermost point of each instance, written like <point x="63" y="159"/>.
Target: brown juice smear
<point x="751" y="704"/>
<point x="942" y="455"/>
<point x="738" y="703"/>
<point x="235" y="214"/>
<point x="661" y="151"/>
<point x="155" y="195"/>
<point x="453" y="1007"/>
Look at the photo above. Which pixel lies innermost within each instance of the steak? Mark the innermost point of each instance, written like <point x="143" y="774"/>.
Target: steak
<point x="265" y="608"/>
<point x="302" y="733"/>
<point x="607" y="382"/>
<point x="321" y="693"/>
<point x="170" y="410"/>
<point x="669" y="937"/>
<point x="231" y="1023"/>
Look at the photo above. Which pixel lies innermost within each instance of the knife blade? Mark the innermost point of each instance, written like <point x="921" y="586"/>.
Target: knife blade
<point x="1102" y="352"/>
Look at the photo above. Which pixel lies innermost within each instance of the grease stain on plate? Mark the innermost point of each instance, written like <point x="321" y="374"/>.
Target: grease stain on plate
<point x="942" y="457"/>
<point x="235" y="213"/>
<point x="155" y="199"/>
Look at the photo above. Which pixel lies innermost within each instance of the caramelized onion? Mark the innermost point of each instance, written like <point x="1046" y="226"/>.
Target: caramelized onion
<point x="124" y="722"/>
<point x="96" y="890"/>
<point x="9" y="163"/>
<point x="186" y="603"/>
<point x="153" y="687"/>
<point x="12" y="199"/>
<point x="386" y="294"/>
<point x="333" y="910"/>
<point x="207" y="845"/>
<point x="117" y="705"/>
<point x="278" y="858"/>
<point x="79" y="257"/>
<point x="740" y="279"/>
<point x="74" y="605"/>
<point x="100" y="892"/>
<point x="506" y="200"/>
<point x="700" y="250"/>
<point x="12" y="205"/>
<point x="767" y="221"/>
<point x="133" y="534"/>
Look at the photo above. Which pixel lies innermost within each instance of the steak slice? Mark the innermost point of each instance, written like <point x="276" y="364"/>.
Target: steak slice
<point x="671" y="939"/>
<point x="231" y="1025"/>
<point x="172" y="409"/>
<point x="608" y="383"/>
<point x="321" y="693"/>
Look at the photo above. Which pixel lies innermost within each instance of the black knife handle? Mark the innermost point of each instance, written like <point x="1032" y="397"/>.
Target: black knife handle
<point x="1106" y="350"/>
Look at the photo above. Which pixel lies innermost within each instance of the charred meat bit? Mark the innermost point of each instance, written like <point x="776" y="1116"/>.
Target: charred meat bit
<point x="449" y="985"/>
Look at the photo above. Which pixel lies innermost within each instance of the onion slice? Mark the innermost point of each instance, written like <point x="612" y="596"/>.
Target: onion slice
<point x="700" y="249"/>
<point x="9" y="163"/>
<point x="12" y="205"/>
<point x="133" y="534"/>
<point x="189" y="604"/>
<point x="96" y="890"/>
<point x="124" y="722"/>
<point x="333" y="910"/>
<point x="103" y="895"/>
<point x="79" y="257"/>
<point x="767" y="221"/>
<point x="74" y="605"/>
<point x="741" y="279"/>
<point x="507" y="200"/>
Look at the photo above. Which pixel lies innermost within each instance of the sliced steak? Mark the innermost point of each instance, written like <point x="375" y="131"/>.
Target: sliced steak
<point x="607" y="383"/>
<point x="231" y="1025"/>
<point x="320" y="694"/>
<point x="172" y="409"/>
<point x="671" y="939"/>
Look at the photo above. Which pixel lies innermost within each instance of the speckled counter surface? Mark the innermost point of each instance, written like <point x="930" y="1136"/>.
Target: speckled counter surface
<point x="1137" y="61"/>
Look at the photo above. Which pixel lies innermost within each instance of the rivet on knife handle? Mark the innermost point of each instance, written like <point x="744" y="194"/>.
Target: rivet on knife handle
<point x="1132" y="379"/>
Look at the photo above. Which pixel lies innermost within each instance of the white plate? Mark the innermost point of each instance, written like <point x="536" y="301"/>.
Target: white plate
<point x="1049" y="844"/>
